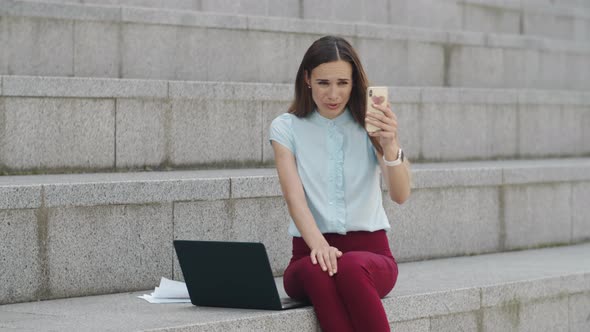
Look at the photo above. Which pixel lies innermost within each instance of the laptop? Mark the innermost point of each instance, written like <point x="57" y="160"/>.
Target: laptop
<point x="230" y="275"/>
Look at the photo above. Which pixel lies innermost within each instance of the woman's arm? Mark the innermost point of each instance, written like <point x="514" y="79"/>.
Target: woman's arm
<point x="397" y="177"/>
<point x="299" y="210"/>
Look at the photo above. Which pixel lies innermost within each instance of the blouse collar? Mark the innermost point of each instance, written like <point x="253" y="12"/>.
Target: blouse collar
<point x="341" y="119"/>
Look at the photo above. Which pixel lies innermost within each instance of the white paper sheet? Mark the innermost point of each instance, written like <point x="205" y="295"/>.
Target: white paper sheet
<point x="169" y="291"/>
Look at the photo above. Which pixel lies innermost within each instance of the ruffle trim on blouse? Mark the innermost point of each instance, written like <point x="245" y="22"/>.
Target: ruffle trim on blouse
<point x="336" y="174"/>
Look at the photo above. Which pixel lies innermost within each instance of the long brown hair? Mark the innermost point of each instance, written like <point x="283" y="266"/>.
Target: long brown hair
<point x="328" y="49"/>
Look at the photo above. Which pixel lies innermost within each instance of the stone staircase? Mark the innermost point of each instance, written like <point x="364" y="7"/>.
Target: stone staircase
<point x="127" y="124"/>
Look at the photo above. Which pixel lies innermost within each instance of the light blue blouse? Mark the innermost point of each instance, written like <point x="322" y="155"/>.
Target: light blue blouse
<point x="339" y="171"/>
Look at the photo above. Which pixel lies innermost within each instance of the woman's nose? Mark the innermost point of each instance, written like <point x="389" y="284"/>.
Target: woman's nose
<point x="332" y="93"/>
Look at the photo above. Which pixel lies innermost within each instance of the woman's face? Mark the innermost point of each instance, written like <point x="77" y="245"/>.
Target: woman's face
<point x="331" y="84"/>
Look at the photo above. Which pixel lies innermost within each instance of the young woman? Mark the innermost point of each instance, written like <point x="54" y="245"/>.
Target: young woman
<point x="329" y="168"/>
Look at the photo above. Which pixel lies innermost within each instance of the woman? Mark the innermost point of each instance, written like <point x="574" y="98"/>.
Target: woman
<point x="329" y="168"/>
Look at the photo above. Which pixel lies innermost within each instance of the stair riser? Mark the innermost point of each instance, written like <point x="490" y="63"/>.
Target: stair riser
<point x="535" y="18"/>
<point x="226" y="125"/>
<point x="158" y="45"/>
<point x="74" y="245"/>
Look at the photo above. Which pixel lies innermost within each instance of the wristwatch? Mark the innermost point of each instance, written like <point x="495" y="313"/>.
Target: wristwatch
<point x="398" y="161"/>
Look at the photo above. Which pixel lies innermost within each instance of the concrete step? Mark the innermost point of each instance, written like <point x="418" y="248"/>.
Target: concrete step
<point x="126" y="42"/>
<point x="55" y="125"/>
<point x="561" y="20"/>
<point x="533" y="290"/>
<point x="76" y="235"/>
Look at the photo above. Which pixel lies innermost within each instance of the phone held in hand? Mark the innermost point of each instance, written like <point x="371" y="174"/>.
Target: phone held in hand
<point x="377" y="95"/>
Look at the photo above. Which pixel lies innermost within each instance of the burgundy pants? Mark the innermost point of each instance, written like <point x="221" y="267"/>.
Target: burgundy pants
<point x="351" y="299"/>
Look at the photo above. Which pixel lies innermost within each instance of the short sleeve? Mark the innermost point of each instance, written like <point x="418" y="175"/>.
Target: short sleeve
<point x="281" y="130"/>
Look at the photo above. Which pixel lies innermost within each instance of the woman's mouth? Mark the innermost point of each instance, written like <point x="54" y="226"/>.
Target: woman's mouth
<point x="332" y="106"/>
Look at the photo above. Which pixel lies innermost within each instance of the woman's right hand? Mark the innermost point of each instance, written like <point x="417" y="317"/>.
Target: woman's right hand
<point x="327" y="257"/>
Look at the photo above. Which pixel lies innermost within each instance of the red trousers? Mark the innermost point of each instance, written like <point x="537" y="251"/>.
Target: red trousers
<point x="351" y="299"/>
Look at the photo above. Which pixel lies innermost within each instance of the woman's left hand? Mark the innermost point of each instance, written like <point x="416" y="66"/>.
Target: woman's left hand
<point x="387" y="122"/>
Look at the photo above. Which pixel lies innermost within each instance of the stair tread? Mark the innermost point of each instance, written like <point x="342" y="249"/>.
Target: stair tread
<point x="466" y="283"/>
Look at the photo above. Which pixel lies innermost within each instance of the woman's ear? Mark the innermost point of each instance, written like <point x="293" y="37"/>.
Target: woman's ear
<point x="307" y="78"/>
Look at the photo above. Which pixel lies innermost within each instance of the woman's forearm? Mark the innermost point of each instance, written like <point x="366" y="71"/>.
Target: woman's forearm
<point x="306" y="224"/>
<point x="397" y="178"/>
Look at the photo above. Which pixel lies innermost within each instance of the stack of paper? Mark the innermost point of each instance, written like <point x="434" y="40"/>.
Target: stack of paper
<point x="169" y="291"/>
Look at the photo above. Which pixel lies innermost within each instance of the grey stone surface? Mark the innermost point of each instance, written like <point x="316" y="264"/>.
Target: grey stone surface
<point x="317" y="9"/>
<point x="43" y="9"/>
<point x="552" y="70"/>
<point x="207" y="220"/>
<point x="521" y="68"/>
<point x="141" y="132"/>
<point x="425" y="64"/>
<point x="349" y="10"/>
<point x="57" y="133"/>
<point x="148" y="51"/>
<point x="399" y="33"/>
<point x="578" y="312"/>
<point x="21" y="256"/>
<point x="232" y="91"/>
<point x="547" y="130"/>
<point x="409" y="127"/>
<point x="443" y="15"/>
<point x="164" y="4"/>
<point x="39" y="46"/>
<point x="24" y="86"/>
<point x="417" y="325"/>
<point x="424" y="289"/>
<point x="288" y="8"/>
<point x="529" y="219"/>
<point x="215" y="131"/>
<point x="190" y="54"/>
<point x="491" y="19"/>
<point x="222" y="56"/>
<point x="318" y="28"/>
<point x="580" y="211"/>
<point x="518" y="292"/>
<point x="251" y="220"/>
<point x="20" y="197"/>
<point x="264" y="220"/>
<point x="502" y="318"/>
<point x="4" y="50"/>
<point x="109" y="192"/>
<point x="546" y="315"/>
<point x="466" y="174"/>
<point x="243" y="7"/>
<point x="376" y="11"/>
<point x="151" y="16"/>
<point x="444" y="222"/>
<point x="458" y="322"/>
<point x="552" y="170"/>
<point x="394" y="70"/>
<point x="476" y="67"/>
<point x="491" y="130"/>
<point x="96" y="49"/>
<point x="544" y="24"/>
<point x="422" y="305"/>
<point x="274" y="56"/>
<point x="255" y="186"/>
<point x="107" y="249"/>
<point x="175" y="36"/>
<point x="466" y="38"/>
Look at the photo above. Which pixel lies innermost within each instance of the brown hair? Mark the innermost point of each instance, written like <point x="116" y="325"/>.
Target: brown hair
<point x="328" y="49"/>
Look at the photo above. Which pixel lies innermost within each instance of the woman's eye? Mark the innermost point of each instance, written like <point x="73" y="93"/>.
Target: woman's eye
<point x="323" y="83"/>
<point x="342" y="83"/>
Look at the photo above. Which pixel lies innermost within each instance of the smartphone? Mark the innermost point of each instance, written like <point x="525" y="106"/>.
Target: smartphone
<point x="376" y="95"/>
